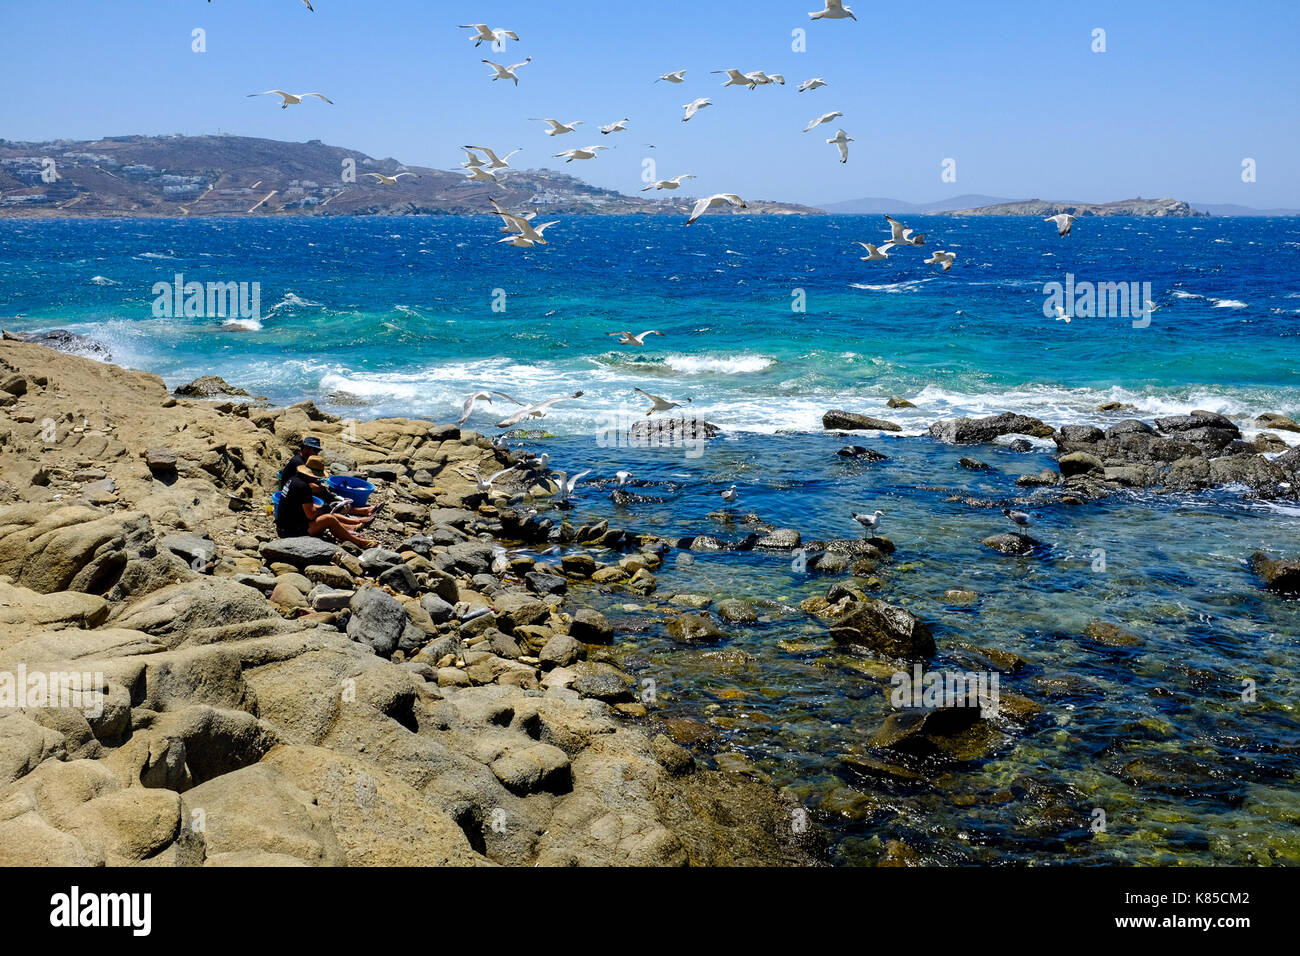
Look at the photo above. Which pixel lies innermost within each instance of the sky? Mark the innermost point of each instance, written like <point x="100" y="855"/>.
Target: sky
<point x="1012" y="92"/>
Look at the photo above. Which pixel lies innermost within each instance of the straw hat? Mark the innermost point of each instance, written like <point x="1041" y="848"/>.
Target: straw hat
<point x="314" y="467"/>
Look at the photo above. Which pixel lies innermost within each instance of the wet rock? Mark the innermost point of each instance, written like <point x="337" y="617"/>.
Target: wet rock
<point x="61" y="340"/>
<point x="839" y="420"/>
<point x="883" y="629"/>
<point x="210" y="386"/>
<point x="1111" y="635"/>
<point x="694" y="629"/>
<point x="1079" y="434"/>
<point x="1195" y="420"/>
<point x="1282" y="575"/>
<point x="1011" y="543"/>
<point x="541" y="583"/>
<point x="1278" y="422"/>
<point x="602" y="681"/>
<point x="735" y="611"/>
<point x="579" y="564"/>
<point x="913" y="730"/>
<point x="972" y="464"/>
<point x="1129" y="426"/>
<point x="673" y="758"/>
<point x="971" y="431"/>
<point x="1021" y="445"/>
<point x="959" y="596"/>
<point x="899" y="403"/>
<point x="1122" y="408"/>
<point x="780" y="539"/>
<point x="859" y="453"/>
<point x="1080" y="463"/>
<point x="591" y="627"/>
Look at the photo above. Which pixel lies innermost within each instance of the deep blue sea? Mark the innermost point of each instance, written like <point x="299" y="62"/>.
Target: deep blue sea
<point x="400" y="313"/>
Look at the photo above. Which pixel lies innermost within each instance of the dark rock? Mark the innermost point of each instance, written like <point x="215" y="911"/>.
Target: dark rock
<point x="1080" y="463"/>
<point x="899" y="403"/>
<point x="858" y="453"/>
<point x="1021" y="445"/>
<point x="884" y="629"/>
<point x="376" y="561"/>
<point x="61" y="340"/>
<point x="839" y="420"/>
<point x="1129" y="426"/>
<point x="299" y="552"/>
<point x="210" y="386"/>
<point x="1281" y="575"/>
<point x="401" y="579"/>
<point x="541" y="583"/>
<point x="439" y="611"/>
<point x="694" y="629"/>
<point x="591" y="627"/>
<point x="971" y="431"/>
<point x="913" y="730"/>
<point x="1278" y="422"/>
<point x="1195" y="420"/>
<point x="972" y="464"/>
<point x="15" y="385"/>
<point x="1074" y="434"/>
<point x="190" y="548"/>
<point x="1011" y="543"/>
<point x="579" y="564"/>
<point x="378" y="620"/>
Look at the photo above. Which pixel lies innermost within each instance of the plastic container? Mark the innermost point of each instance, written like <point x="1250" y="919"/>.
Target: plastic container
<point x="357" y="490"/>
<point x="275" y="502"/>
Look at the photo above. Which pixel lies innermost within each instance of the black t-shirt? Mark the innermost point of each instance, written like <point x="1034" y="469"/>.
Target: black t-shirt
<point x="291" y="469"/>
<point x="290" y="520"/>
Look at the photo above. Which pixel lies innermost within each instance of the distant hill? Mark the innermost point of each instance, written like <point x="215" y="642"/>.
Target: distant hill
<point x="1229" y="209"/>
<point x="237" y="176"/>
<point x="873" y="205"/>
<point x="1125" y="207"/>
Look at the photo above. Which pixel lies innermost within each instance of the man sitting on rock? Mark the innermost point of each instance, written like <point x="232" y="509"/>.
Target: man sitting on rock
<point x="299" y="515"/>
<point x="334" y="502"/>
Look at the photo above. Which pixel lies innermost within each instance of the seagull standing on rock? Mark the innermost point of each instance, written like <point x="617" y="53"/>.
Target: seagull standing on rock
<point x="729" y="496"/>
<point x="870" y="522"/>
<point x="1021" y="518"/>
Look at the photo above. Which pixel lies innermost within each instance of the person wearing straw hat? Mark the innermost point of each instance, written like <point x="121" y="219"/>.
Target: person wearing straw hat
<point x="299" y="515"/>
<point x="334" y="502"/>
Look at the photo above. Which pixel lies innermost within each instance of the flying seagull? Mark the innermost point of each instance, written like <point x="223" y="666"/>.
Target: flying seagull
<point x="902" y="236"/>
<point x="824" y="118"/>
<point x="485" y="484"/>
<point x="695" y="106"/>
<point x="835" y="10"/>
<point x="668" y="183"/>
<point x="293" y="99"/>
<point x="627" y="338"/>
<point x="708" y="202"/>
<point x="480" y="174"/>
<point x="507" y="72"/>
<point x="615" y="127"/>
<point x="586" y="152"/>
<point x="494" y="161"/>
<point x="390" y="180"/>
<point x="765" y="79"/>
<point x="876" y="253"/>
<point x="658" y="403"/>
<point x="677" y="76"/>
<point x="842" y="140"/>
<point x="558" y="128"/>
<point x="567" y="484"/>
<point x="467" y="408"/>
<point x="484" y="34"/>
<point x="1064" y="223"/>
<point x="816" y="83"/>
<point x="941" y="258"/>
<point x="536" y="411"/>
<point x="736" y="78"/>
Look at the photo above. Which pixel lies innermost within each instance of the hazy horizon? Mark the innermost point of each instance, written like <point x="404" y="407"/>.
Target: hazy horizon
<point x="1182" y="95"/>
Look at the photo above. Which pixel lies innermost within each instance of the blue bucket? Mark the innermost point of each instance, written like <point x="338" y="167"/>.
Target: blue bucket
<point x="275" y="500"/>
<point x="357" y="490"/>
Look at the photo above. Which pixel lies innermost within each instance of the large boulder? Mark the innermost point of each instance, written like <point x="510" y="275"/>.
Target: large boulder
<point x="839" y="420"/>
<point x="1011" y="542"/>
<point x="299" y="552"/>
<point x="972" y="431"/>
<point x="884" y="629"/>
<point x="1195" y="420"/>
<point x="378" y="620"/>
<point x="1282" y="575"/>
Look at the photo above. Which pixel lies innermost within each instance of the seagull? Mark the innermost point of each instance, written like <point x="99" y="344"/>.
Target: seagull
<point x="1151" y="306"/>
<point x="902" y="236"/>
<point x="842" y="140"/>
<point x="816" y="83"/>
<point x="293" y="99"/>
<point x="729" y="496"/>
<point x="695" y="106"/>
<point x="736" y="78"/>
<point x="507" y="72"/>
<point x="529" y="237"/>
<point x="494" y="161"/>
<point x="586" y="152"/>
<point x="709" y="202"/>
<point x="567" y="484"/>
<point x="677" y="76"/>
<point x="876" y="253"/>
<point x="1064" y="223"/>
<point x="467" y="408"/>
<point x="1021" y="518"/>
<point x="658" y="403"/>
<point x="824" y="118"/>
<point x="941" y="258"/>
<point x="668" y="183"/>
<point x="558" y="128"/>
<point x="536" y="411"/>
<point x="479" y="174"/>
<point x="627" y="338"/>
<point x="623" y="477"/>
<point x="485" y="484"/>
<point x="764" y="79"/>
<point x="870" y="522"/>
<point x="615" y="127"/>
<point x="390" y="180"/>
<point x="835" y="10"/>
<point x="509" y="218"/>
<point x="485" y="34"/>
<point x="472" y="159"/>
<point x="1062" y="315"/>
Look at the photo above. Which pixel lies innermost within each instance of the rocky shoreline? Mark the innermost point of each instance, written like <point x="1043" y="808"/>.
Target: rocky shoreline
<point x="446" y="697"/>
<point x="437" y="700"/>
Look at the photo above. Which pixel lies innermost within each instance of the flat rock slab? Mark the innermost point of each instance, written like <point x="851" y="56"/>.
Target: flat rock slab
<point x="299" y="551"/>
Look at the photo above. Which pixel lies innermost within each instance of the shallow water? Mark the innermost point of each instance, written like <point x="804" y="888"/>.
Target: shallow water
<point x="1156" y="735"/>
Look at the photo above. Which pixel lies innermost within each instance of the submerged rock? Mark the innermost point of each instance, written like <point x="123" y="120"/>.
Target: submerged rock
<point x="884" y="629"/>
<point x="1278" y="575"/>
<point x="973" y="431"/>
<point x="1012" y="542"/>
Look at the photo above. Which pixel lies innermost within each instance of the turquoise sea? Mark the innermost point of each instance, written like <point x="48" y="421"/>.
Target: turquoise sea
<point x="400" y="314"/>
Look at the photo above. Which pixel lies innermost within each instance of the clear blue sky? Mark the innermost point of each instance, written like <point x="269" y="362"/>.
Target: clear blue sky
<point x="1011" y="90"/>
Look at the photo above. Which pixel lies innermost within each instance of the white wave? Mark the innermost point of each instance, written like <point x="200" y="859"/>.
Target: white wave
<point x="727" y="365"/>
<point x="1228" y="304"/>
<point x="102" y="280"/>
<point x="292" y="301"/>
<point x="154" y="255"/>
<point x="1180" y="294"/>
<point x="893" y="288"/>
<point x="243" y="325"/>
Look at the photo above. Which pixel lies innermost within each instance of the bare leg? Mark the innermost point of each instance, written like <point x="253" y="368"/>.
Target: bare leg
<point x="334" y="526"/>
